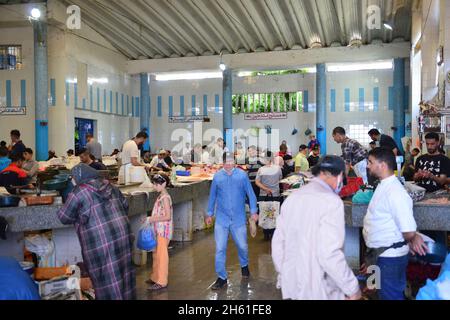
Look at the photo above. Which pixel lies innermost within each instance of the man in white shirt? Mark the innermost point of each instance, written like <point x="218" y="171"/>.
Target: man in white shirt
<point x="130" y="154"/>
<point x="389" y="227"/>
<point x="217" y="152"/>
<point x="158" y="162"/>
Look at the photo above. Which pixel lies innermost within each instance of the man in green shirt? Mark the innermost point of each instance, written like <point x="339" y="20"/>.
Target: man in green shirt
<point x="301" y="161"/>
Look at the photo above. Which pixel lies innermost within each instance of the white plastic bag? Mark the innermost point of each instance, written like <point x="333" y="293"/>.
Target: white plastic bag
<point x="43" y="248"/>
<point x="268" y="214"/>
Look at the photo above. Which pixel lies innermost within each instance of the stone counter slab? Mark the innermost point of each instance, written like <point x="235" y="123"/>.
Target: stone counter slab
<point x="34" y="218"/>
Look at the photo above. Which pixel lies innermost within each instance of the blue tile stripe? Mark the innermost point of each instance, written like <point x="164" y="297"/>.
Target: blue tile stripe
<point x="91" y="97"/>
<point x="75" y="95"/>
<point x="347" y="100"/>
<point x="138" y="107"/>
<point x="53" y="92"/>
<point x="98" y="99"/>
<point x="84" y="103"/>
<point x="333" y="100"/>
<point x="361" y="99"/>
<point x="132" y="107"/>
<point x="123" y="103"/>
<point x="104" y="100"/>
<point x="159" y="106"/>
<point x="205" y="105"/>
<point x="181" y="106"/>
<point x="391" y="98"/>
<point x="170" y="106"/>
<point x="8" y="93"/>
<point x="117" y="102"/>
<point x="376" y="99"/>
<point x="217" y="103"/>
<point x="149" y="106"/>
<point x="128" y="105"/>
<point x="194" y="111"/>
<point x="110" y="101"/>
<point x="23" y="93"/>
<point x="67" y="94"/>
<point x="305" y="101"/>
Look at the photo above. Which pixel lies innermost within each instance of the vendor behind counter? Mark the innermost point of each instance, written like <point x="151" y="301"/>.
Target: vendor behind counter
<point x="433" y="168"/>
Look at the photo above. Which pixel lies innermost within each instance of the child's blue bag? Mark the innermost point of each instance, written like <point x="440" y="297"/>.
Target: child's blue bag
<point x="146" y="238"/>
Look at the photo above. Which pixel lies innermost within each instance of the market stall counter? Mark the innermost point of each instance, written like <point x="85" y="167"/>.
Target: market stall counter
<point x="189" y="203"/>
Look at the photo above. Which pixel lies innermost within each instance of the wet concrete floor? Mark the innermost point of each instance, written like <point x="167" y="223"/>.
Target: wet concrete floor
<point x="191" y="272"/>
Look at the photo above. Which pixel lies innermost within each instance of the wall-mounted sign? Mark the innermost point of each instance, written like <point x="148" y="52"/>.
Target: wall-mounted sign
<point x="266" y="116"/>
<point x="13" y="111"/>
<point x="183" y="119"/>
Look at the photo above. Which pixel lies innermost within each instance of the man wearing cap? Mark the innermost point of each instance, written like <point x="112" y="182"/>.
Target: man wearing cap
<point x="229" y="190"/>
<point x="158" y="162"/>
<point x="308" y="244"/>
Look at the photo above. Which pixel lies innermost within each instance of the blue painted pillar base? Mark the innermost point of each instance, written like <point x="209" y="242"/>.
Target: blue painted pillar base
<point x="228" y="108"/>
<point x="145" y="108"/>
<point x="41" y="89"/>
<point x="399" y="100"/>
<point x="321" y="108"/>
<point x="41" y="140"/>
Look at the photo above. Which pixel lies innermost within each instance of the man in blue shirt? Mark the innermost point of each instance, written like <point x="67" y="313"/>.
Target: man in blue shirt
<point x="229" y="190"/>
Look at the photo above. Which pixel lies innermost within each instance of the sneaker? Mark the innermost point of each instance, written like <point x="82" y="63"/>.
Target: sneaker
<point x="245" y="272"/>
<point x="219" y="284"/>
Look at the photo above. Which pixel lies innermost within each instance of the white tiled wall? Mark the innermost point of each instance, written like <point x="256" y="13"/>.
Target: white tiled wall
<point x="161" y="130"/>
<point x="24" y="123"/>
<point x="65" y="52"/>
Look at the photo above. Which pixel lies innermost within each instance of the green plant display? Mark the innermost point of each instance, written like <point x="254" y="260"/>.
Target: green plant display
<point x="267" y="102"/>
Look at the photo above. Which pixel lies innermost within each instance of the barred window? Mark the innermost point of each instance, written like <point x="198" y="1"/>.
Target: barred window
<point x="358" y="132"/>
<point x="267" y="102"/>
<point x="10" y="57"/>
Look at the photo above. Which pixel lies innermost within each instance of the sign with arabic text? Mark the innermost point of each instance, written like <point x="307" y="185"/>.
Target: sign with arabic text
<point x="183" y="119"/>
<point x="266" y="116"/>
<point x="13" y="111"/>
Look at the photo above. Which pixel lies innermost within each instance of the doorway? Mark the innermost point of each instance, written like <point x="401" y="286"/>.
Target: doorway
<point x="82" y="128"/>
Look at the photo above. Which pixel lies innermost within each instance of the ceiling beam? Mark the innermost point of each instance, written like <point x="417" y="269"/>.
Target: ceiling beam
<point x="214" y="24"/>
<point x="248" y="10"/>
<point x="167" y="19"/>
<point x="273" y="59"/>
<point x="139" y="28"/>
<point x="190" y="21"/>
<point x="296" y="23"/>
<point x="237" y="27"/>
<point x="101" y="17"/>
<point x="277" y="19"/>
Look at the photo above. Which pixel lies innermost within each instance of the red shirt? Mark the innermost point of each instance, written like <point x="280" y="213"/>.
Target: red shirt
<point x="14" y="168"/>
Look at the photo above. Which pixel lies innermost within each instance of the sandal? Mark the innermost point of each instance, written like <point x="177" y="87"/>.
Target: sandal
<point x="149" y="281"/>
<point x="155" y="287"/>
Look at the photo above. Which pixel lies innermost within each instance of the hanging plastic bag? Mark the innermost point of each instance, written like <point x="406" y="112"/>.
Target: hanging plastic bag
<point x="43" y="248"/>
<point x="146" y="238"/>
<point x="269" y="211"/>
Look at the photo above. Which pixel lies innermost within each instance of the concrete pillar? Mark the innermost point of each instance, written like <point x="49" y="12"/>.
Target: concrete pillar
<point x="228" y="108"/>
<point x="41" y="89"/>
<point x="145" y="108"/>
<point x="399" y="100"/>
<point x="321" y="106"/>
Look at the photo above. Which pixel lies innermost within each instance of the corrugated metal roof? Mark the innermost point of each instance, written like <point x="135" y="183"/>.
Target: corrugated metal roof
<point x="179" y="28"/>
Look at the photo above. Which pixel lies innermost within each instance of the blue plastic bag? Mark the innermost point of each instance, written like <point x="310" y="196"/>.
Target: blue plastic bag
<point x="438" y="289"/>
<point x="146" y="238"/>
